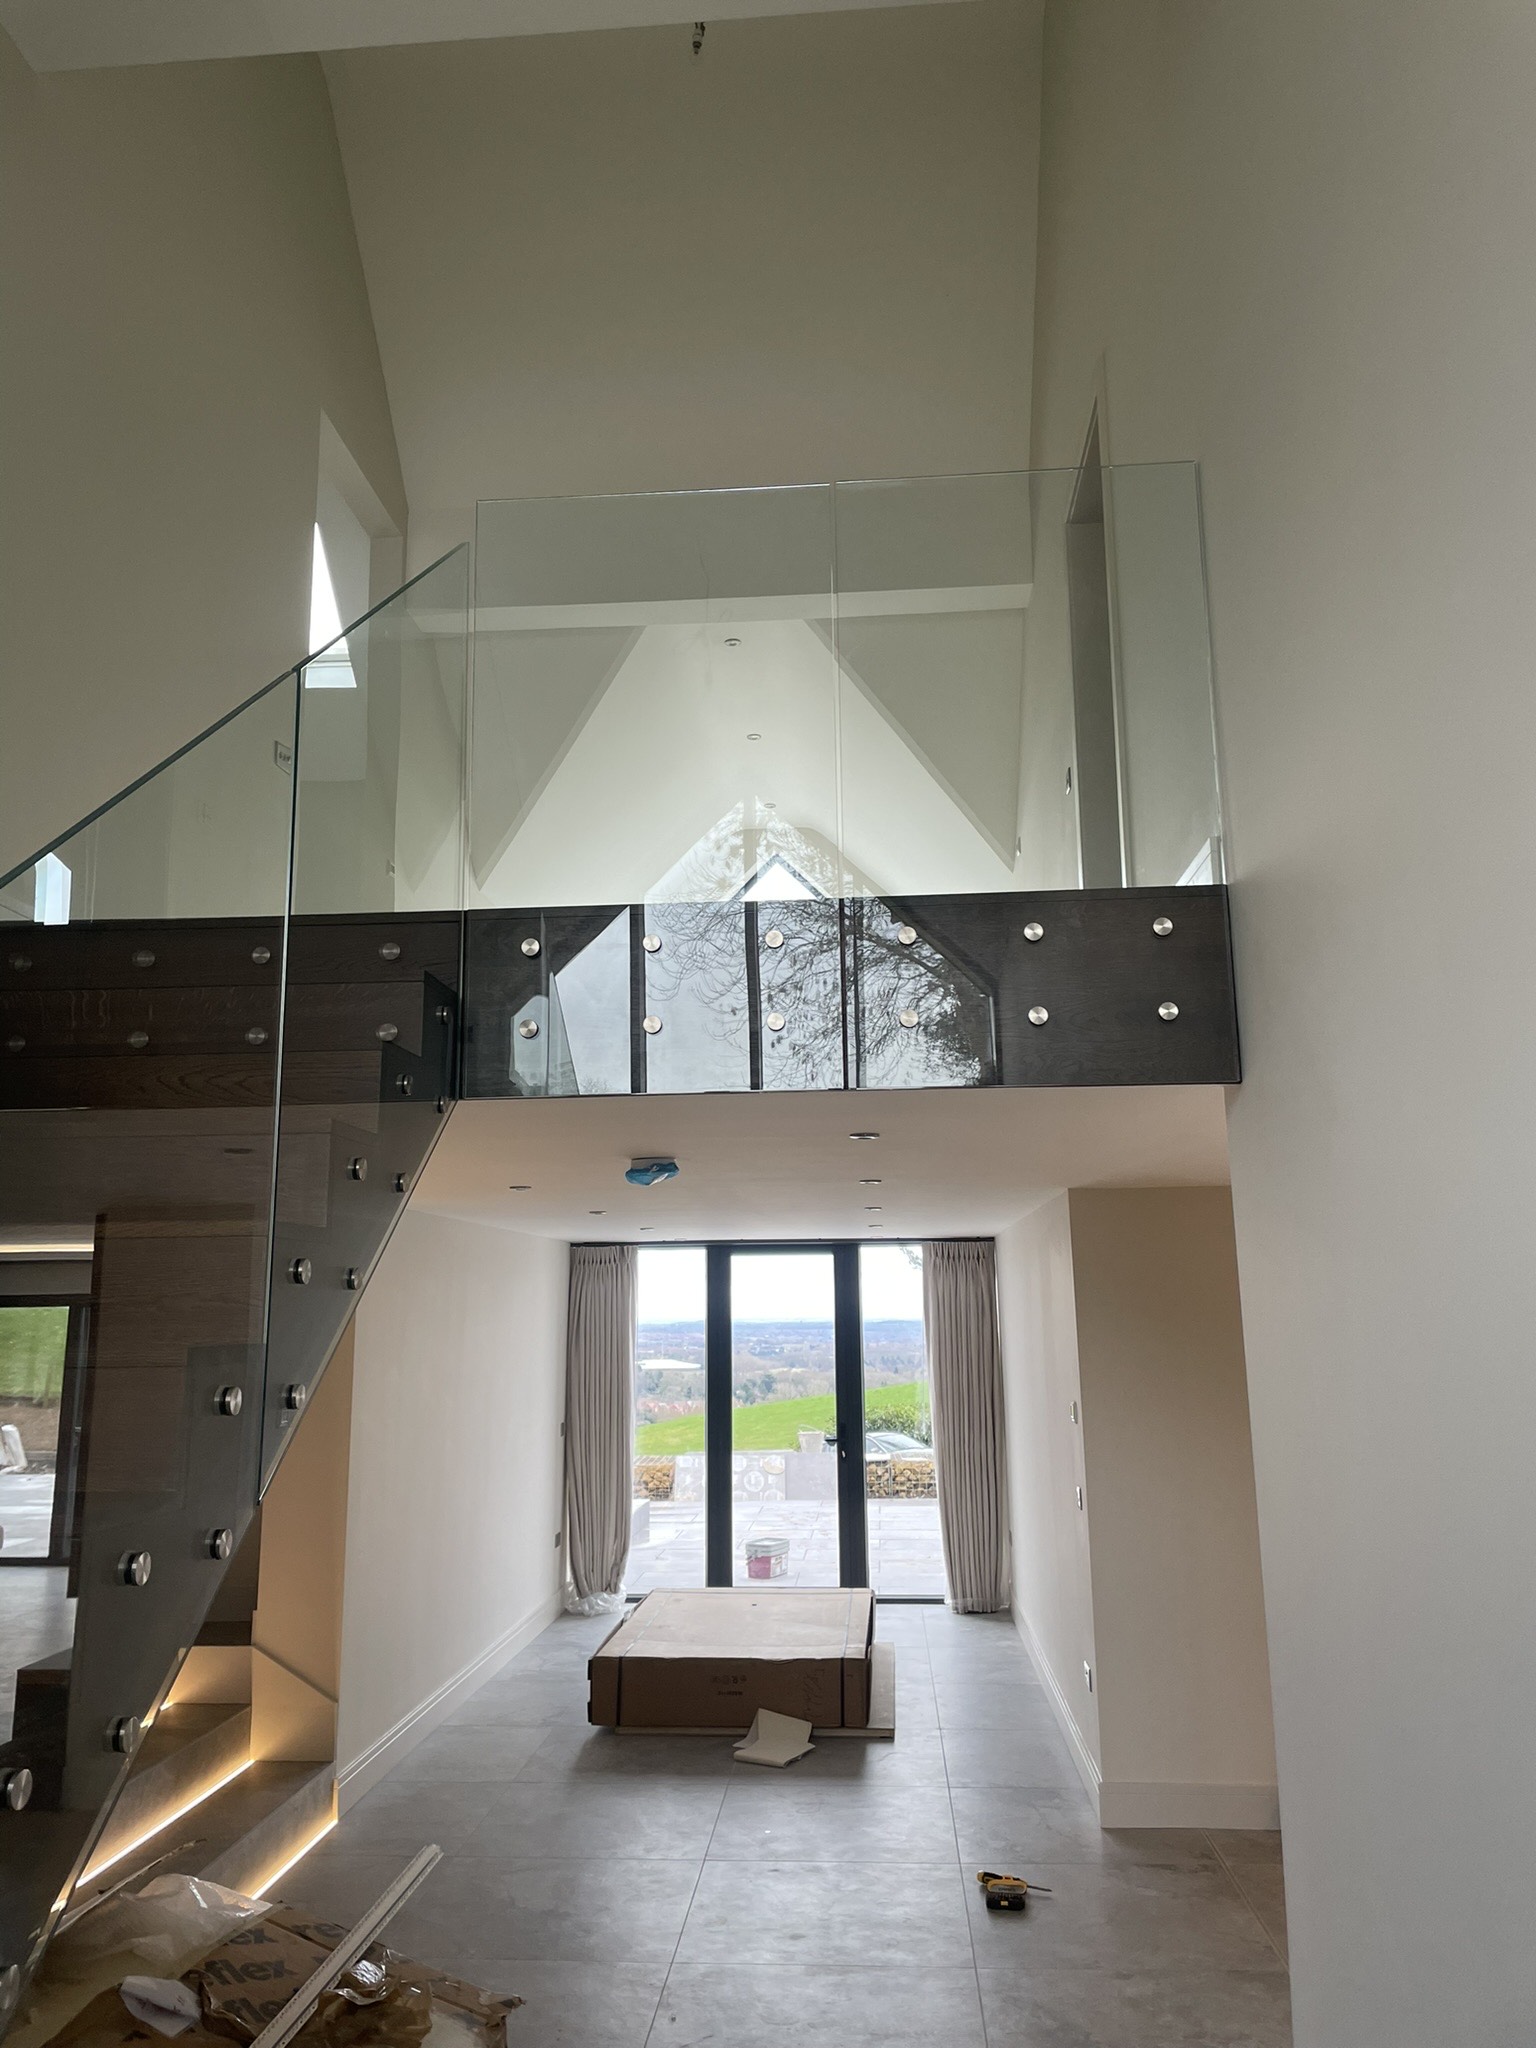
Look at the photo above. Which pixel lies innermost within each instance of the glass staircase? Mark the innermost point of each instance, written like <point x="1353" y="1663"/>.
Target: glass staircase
<point x="869" y="786"/>
<point x="228" y="1042"/>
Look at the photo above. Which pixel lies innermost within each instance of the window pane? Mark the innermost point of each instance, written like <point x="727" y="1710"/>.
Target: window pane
<point x="667" y="1544"/>
<point x="905" y="1553"/>
<point x="783" y="1420"/>
<point x="33" y="1343"/>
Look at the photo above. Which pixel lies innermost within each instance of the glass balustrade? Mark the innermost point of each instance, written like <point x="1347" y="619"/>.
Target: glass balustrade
<point x="903" y="784"/>
<point x="782" y="733"/>
<point x="924" y="686"/>
<point x="228" y="1037"/>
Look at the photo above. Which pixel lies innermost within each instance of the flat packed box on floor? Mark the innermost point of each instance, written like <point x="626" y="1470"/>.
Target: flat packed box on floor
<point x="711" y="1659"/>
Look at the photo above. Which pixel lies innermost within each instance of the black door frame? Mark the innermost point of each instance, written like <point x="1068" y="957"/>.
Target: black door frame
<point x="848" y="1382"/>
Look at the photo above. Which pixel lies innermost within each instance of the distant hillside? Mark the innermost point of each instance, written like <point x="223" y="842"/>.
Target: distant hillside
<point x="769" y="1425"/>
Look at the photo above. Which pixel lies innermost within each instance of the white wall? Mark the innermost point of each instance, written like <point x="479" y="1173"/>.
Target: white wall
<point x="456" y="1478"/>
<point x="1123" y="1370"/>
<point x="1052" y="1580"/>
<point x="599" y="266"/>
<point x="183" y="300"/>
<point x="1295" y="230"/>
<point x="1186" y="1733"/>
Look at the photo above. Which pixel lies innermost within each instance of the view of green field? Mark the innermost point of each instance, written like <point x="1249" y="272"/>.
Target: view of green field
<point x="776" y="1425"/>
<point x="32" y="1344"/>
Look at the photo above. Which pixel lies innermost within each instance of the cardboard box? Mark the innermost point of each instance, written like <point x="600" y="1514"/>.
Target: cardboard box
<point x="711" y="1659"/>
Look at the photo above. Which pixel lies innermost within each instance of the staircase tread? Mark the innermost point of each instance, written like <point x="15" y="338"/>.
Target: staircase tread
<point x="176" y="1728"/>
<point x="219" y="1822"/>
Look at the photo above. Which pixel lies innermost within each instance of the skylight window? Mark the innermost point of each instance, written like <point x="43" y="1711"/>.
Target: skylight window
<point x="332" y="670"/>
<point x="779" y="883"/>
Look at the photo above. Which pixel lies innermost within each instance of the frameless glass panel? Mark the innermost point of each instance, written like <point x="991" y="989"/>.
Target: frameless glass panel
<point x="784" y="1529"/>
<point x="34" y="1357"/>
<point x="373" y="963"/>
<point x="905" y="1552"/>
<point x="1171" y="803"/>
<point x="667" y="1532"/>
<point x="140" y="973"/>
<point x="591" y="1039"/>
<point x="1024" y="682"/>
<point x="655" y="703"/>
<point x="934" y="581"/>
<point x="696" y="1025"/>
<point x="922" y="1018"/>
<point x="798" y="950"/>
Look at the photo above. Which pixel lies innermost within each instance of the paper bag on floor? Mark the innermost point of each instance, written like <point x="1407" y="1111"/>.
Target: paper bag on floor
<point x="775" y="1739"/>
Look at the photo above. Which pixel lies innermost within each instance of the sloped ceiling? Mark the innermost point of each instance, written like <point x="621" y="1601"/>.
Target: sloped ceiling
<point x="73" y="35"/>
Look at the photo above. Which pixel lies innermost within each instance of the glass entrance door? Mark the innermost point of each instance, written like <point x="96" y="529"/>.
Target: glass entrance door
<point x="784" y="1420"/>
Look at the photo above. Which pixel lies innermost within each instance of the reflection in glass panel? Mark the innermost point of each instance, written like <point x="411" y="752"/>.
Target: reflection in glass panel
<point x="783" y="1420"/>
<point x="799" y="954"/>
<point x="667" y="1536"/>
<point x="1009" y="689"/>
<point x="905" y="1551"/>
<point x="923" y="1019"/>
<point x="34" y="1348"/>
<point x="934" y="582"/>
<point x="139" y="1011"/>
<point x="371" y="1003"/>
<point x="697" y="1029"/>
<point x="1171" y="803"/>
<point x="590" y="1022"/>
<point x="655" y="697"/>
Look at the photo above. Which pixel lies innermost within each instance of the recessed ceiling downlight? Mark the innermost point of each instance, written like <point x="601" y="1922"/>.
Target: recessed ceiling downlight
<point x="863" y="1137"/>
<point x="519" y="1187"/>
<point x="871" y="1183"/>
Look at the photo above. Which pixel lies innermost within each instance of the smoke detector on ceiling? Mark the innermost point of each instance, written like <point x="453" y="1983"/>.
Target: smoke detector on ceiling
<point x="645" y="1173"/>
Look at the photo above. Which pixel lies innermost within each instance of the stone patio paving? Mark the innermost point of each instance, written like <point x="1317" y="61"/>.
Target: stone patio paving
<point x="905" y="1555"/>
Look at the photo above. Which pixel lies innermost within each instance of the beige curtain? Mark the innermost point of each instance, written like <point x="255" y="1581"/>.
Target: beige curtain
<point x="966" y="1383"/>
<point x="599" y="1425"/>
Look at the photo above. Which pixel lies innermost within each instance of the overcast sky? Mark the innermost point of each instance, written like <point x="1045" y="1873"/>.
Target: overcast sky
<point x="777" y="1287"/>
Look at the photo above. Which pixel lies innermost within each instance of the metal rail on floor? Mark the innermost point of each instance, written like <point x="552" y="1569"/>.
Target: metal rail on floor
<point x="281" y="2029"/>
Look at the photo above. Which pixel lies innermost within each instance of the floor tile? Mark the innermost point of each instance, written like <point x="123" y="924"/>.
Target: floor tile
<point x="827" y="1914"/>
<point x="1003" y="1828"/>
<point x="606" y="1816"/>
<point x="403" y="1814"/>
<point x="340" y="1884"/>
<point x="790" y="1821"/>
<point x="639" y="1891"/>
<point x="519" y="1700"/>
<point x="789" y="2006"/>
<point x="1263" y="1886"/>
<point x="1122" y="1916"/>
<point x="491" y="1753"/>
<point x="912" y="1759"/>
<point x="1017" y="1704"/>
<point x="549" y="1909"/>
<point x="1246" y="1845"/>
<point x="586" y="1752"/>
<point x="997" y="1757"/>
<point x="1052" y="2007"/>
<point x="573" y="2005"/>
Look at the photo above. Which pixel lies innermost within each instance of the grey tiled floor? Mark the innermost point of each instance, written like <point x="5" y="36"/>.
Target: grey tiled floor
<point x="643" y="1892"/>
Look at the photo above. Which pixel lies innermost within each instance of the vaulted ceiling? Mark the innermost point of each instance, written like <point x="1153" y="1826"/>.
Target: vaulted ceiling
<point x="72" y="35"/>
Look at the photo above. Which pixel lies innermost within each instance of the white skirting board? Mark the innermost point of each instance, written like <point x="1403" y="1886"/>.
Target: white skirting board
<point x="1123" y="1804"/>
<point x="1077" y="1742"/>
<point x="364" y="1772"/>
